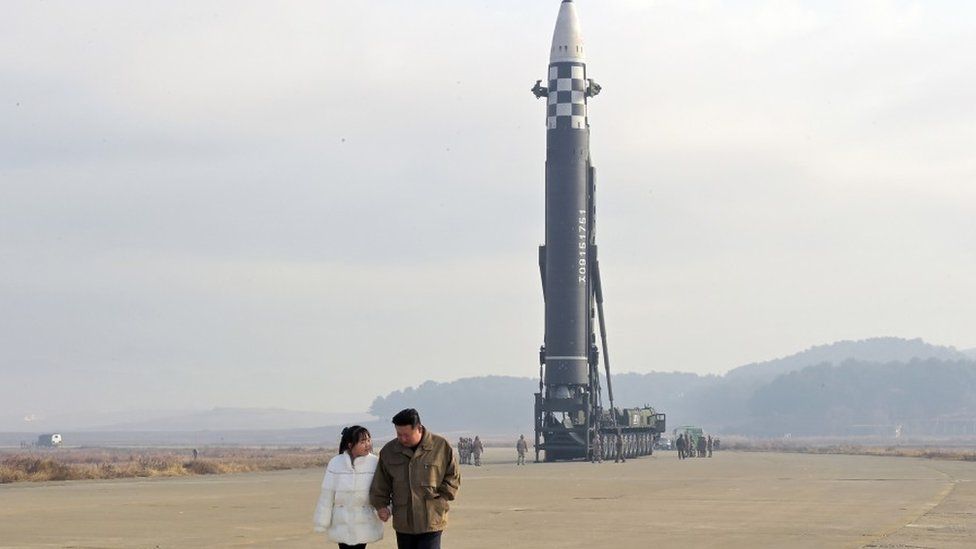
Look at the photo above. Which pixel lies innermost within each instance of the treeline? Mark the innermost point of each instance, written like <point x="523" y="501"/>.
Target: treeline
<point x="492" y="404"/>
<point x="867" y="398"/>
<point x="868" y="387"/>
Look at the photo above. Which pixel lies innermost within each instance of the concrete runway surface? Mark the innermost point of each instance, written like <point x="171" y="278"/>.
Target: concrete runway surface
<point x="732" y="500"/>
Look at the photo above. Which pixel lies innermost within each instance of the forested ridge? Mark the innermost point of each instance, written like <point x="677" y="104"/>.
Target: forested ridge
<point x="867" y="387"/>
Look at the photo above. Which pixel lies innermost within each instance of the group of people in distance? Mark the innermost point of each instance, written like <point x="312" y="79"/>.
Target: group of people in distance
<point x="700" y="446"/>
<point x="412" y="481"/>
<point x="468" y="449"/>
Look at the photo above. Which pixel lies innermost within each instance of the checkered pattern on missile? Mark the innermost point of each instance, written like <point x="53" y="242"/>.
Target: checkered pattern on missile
<point x="567" y="97"/>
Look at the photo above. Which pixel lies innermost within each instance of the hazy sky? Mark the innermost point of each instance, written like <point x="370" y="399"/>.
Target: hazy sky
<point x="306" y="204"/>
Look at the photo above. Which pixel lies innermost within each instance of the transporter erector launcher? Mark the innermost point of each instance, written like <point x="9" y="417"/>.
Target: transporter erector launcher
<point x="570" y="421"/>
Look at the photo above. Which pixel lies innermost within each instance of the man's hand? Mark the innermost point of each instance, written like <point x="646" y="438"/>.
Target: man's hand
<point x="384" y="513"/>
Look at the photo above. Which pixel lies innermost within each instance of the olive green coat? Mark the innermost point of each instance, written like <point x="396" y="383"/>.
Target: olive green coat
<point x="419" y="483"/>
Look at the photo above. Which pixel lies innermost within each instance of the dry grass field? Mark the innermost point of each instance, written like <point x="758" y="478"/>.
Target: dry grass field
<point x="98" y="463"/>
<point x="928" y="451"/>
<point x="38" y="465"/>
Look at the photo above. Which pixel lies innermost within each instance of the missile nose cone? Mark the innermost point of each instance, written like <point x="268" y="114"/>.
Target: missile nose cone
<point x="567" y="40"/>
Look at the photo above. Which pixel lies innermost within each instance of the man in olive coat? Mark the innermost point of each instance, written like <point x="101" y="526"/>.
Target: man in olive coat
<point x="419" y="475"/>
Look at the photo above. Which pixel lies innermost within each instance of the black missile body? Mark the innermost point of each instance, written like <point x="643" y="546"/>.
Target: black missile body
<point x="569" y="417"/>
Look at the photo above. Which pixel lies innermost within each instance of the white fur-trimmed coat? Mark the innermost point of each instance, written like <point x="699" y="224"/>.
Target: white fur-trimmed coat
<point x="343" y="509"/>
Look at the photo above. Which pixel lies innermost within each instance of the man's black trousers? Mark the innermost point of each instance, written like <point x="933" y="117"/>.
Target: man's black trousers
<point x="429" y="540"/>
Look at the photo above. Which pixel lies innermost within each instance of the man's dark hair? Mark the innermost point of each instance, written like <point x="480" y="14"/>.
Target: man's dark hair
<point x="408" y="416"/>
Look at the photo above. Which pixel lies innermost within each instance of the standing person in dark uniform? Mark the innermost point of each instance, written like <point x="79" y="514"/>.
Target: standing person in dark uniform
<point x="701" y="446"/>
<point x="680" y="445"/>
<point x="418" y="475"/>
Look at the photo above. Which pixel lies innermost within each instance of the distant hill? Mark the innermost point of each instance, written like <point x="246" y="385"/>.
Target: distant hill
<point x="216" y="419"/>
<point x="497" y="405"/>
<point x="79" y="419"/>
<point x="659" y="389"/>
<point x="880" y="350"/>
<point x="326" y="437"/>
<point x="894" y="378"/>
<point x="231" y="419"/>
<point x="854" y="398"/>
<point x="829" y="389"/>
<point x="243" y="426"/>
<point x="490" y="405"/>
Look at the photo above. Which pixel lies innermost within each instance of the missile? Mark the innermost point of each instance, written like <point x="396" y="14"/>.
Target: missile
<point x="569" y="382"/>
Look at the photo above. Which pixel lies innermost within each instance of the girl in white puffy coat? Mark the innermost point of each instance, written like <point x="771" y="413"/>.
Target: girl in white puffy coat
<point x="343" y="509"/>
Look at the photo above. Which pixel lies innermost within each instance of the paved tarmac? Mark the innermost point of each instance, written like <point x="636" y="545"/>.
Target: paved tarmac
<point x="731" y="500"/>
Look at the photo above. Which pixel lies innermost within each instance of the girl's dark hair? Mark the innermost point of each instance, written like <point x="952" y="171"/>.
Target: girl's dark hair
<point x="351" y="436"/>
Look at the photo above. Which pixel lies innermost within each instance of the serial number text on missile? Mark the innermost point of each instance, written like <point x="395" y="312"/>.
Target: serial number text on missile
<point x="582" y="247"/>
